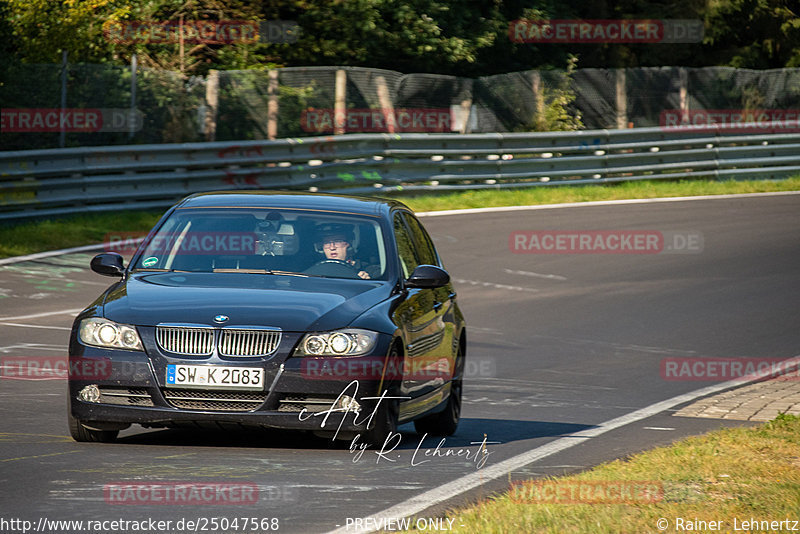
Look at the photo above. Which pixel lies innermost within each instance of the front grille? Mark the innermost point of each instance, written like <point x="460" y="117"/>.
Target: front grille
<point x="185" y="340"/>
<point x="125" y="396"/>
<point x="298" y="403"/>
<point x="234" y="342"/>
<point x="217" y="401"/>
<point x="199" y="341"/>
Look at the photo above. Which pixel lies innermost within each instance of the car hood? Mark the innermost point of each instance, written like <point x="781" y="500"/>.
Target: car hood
<point x="292" y="303"/>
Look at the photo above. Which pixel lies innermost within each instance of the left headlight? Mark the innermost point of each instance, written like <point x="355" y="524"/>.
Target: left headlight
<point x="350" y="342"/>
<point x="105" y="333"/>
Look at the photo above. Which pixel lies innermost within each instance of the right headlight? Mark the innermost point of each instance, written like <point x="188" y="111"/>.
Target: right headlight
<point x="349" y="342"/>
<point x="104" y="333"/>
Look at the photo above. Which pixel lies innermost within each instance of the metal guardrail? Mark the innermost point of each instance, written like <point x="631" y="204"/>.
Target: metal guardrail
<point x="64" y="181"/>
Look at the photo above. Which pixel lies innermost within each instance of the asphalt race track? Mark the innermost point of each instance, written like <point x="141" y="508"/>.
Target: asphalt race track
<point x="558" y="344"/>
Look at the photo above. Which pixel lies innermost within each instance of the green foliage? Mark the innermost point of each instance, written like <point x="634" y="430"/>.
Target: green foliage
<point x="417" y="36"/>
<point x="557" y="114"/>
<point x="755" y="34"/>
<point x="41" y="29"/>
<point x="458" y="37"/>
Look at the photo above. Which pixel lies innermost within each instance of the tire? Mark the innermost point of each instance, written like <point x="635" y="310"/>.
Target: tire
<point x="444" y="423"/>
<point x="82" y="434"/>
<point x="384" y="421"/>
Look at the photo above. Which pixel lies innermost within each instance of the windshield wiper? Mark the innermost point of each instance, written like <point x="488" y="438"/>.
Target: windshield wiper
<point x="293" y="273"/>
<point x="243" y="271"/>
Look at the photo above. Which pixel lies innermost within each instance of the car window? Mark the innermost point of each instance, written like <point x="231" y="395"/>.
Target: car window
<point x="267" y="240"/>
<point x="422" y="241"/>
<point x="405" y="246"/>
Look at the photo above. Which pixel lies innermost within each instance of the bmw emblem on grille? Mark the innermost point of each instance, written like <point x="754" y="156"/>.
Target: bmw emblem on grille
<point x="221" y="318"/>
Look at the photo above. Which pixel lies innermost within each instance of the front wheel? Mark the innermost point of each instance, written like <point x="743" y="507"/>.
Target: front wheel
<point x="83" y="434"/>
<point x="384" y="419"/>
<point x="444" y="423"/>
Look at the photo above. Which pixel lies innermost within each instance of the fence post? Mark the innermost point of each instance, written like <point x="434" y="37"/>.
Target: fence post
<point x="466" y="109"/>
<point x="132" y="115"/>
<point x="387" y="108"/>
<point x="340" y="103"/>
<point x="272" y="105"/>
<point x="622" y="101"/>
<point x="683" y="92"/>
<point x="62" y="138"/>
<point x="212" y="101"/>
<point x="538" y="98"/>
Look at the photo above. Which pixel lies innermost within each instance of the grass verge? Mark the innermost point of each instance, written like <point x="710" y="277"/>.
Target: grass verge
<point x="739" y="473"/>
<point x="50" y="234"/>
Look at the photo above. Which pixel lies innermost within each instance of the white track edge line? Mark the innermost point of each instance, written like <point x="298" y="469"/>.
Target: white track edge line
<point x="448" y="490"/>
<point x="60" y="252"/>
<point x="37" y="315"/>
<point x="469" y="211"/>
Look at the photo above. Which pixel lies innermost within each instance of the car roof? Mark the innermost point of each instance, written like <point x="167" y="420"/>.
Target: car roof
<point x="296" y="200"/>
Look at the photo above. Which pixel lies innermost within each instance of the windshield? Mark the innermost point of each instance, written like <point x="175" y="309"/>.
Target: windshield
<point x="268" y="241"/>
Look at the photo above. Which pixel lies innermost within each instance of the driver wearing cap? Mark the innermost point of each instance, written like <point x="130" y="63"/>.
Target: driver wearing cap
<point x="336" y="241"/>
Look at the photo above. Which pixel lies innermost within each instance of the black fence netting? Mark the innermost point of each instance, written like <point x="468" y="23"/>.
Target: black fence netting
<point x="100" y="107"/>
<point x="103" y="107"/>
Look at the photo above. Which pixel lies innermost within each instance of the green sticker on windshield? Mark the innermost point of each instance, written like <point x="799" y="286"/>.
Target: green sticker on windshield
<point x="149" y="262"/>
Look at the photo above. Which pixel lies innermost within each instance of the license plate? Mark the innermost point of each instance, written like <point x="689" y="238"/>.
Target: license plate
<point x="215" y="376"/>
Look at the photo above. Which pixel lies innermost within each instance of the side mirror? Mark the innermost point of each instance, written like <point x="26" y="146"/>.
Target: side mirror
<point x="428" y="277"/>
<point x="108" y="264"/>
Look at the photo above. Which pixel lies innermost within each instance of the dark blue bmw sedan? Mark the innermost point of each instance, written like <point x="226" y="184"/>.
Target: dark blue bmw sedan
<point x="314" y="312"/>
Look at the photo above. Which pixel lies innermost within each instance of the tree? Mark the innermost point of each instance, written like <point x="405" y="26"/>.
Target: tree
<point x="415" y="36"/>
<point x="41" y="29"/>
<point x="755" y="34"/>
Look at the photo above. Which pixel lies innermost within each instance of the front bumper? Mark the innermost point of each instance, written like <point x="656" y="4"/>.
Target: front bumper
<point x="133" y="390"/>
